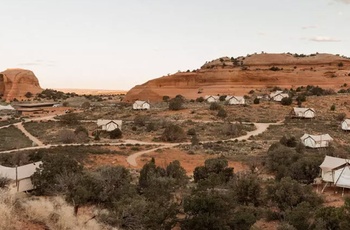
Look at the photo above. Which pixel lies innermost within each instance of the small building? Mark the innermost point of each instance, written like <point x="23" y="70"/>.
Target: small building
<point x="211" y="98"/>
<point x="345" y="125"/>
<point x="303" y="112"/>
<point x="316" y="141"/>
<point x="278" y="95"/>
<point x="235" y="100"/>
<point x="141" y="105"/>
<point x="22" y="175"/>
<point x="109" y="125"/>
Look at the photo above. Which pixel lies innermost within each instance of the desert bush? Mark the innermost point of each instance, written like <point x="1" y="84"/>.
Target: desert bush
<point x="81" y="129"/>
<point x="214" y="106"/>
<point x="332" y="107"/>
<point x="9" y="216"/>
<point x="222" y="113"/>
<point x="115" y="134"/>
<point x="66" y="136"/>
<point x="4" y="182"/>
<point x="55" y="213"/>
<point x="69" y="119"/>
<point x="141" y="120"/>
<point x="289" y="141"/>
<point x="256" y="101"/>
<point x="286" y="101"/>
<point x="176" y="103"/>
<point x="173" y="133"/>
<point x="200" y="99"/>
<point x="86" y="105"/>
<point x="222" y="97"/>
<point x="341" y="116"/>
<point x="151" y="126"/>
<point x="166" y="98"/>
<point x="232" y="130"/>
<point x="191" y="131"/>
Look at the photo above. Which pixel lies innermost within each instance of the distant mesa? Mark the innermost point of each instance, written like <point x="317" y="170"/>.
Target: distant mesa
<point x="239" y="75"/>
<point x="15" y="83"/>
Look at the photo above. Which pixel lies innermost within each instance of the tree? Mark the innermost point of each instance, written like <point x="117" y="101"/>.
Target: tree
<point x="288" y="193"/>
<point x="45" y="177"/>
<point x="207" y="210"/>
<point x="247" y="190"/>
<point x="217" y="167"/>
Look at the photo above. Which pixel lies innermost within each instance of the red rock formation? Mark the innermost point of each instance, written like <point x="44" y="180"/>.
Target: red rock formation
<point x="15" y="83"/>
<point x="237" y="76"/>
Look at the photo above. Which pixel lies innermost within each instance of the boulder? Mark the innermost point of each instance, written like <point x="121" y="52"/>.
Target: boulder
<point x="15" y="83"/>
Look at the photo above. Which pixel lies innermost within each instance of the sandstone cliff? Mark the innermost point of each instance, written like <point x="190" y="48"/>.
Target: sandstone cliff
<point x="15" y="83"/>
<point x="237" y="76"/>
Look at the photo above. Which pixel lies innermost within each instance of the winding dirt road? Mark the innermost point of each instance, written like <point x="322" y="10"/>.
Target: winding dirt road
<point x="260" y="128"/>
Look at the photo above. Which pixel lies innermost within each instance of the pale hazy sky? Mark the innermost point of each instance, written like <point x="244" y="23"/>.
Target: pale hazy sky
<point x="114" y="44"/>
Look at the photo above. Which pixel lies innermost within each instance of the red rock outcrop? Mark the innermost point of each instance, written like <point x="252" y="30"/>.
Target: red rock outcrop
<point x="237" y="76"/>
<point x="15" y="83"/>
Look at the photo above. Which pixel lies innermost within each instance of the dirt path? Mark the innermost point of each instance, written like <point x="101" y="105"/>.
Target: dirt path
<point x="30" y="136"/>
<point x="260" y="128"/>
<point x="132" y="158"/>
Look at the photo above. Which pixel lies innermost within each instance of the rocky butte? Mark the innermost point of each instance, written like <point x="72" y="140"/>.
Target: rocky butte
<point x="237" y="76"/>
<point x="15" y="83"/>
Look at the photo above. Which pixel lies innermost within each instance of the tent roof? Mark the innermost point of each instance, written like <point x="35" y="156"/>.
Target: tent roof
<point x="140" y="103"/>
<point x="101" y="122"/>
<point x="6" y="107"/>
<point x="347" y="121"/>
<point x="329" y="163"/>
<point x="303" y="110"/>
<point x="323" y="137"/>
<point x="238" y="98"/>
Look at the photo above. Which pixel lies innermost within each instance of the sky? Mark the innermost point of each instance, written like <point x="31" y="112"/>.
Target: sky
<point x="115" y="45"/>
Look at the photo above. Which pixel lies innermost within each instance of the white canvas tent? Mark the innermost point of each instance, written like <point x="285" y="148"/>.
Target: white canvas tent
<point x="303" y="112"/>
<point x="210" y="98"/>
<point x="278" y="95"/>
<point x="141" y="105"/>
<point x="336" y="171"/>
<point x="109" y="125"/>
<point x="6" y="107"/>
<point x="21" y="175"/>
<point x="235" y="100"/>
<point x="345" y="125"/>
<point x="328" y="165"/>
<point x="316" y="141"/>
